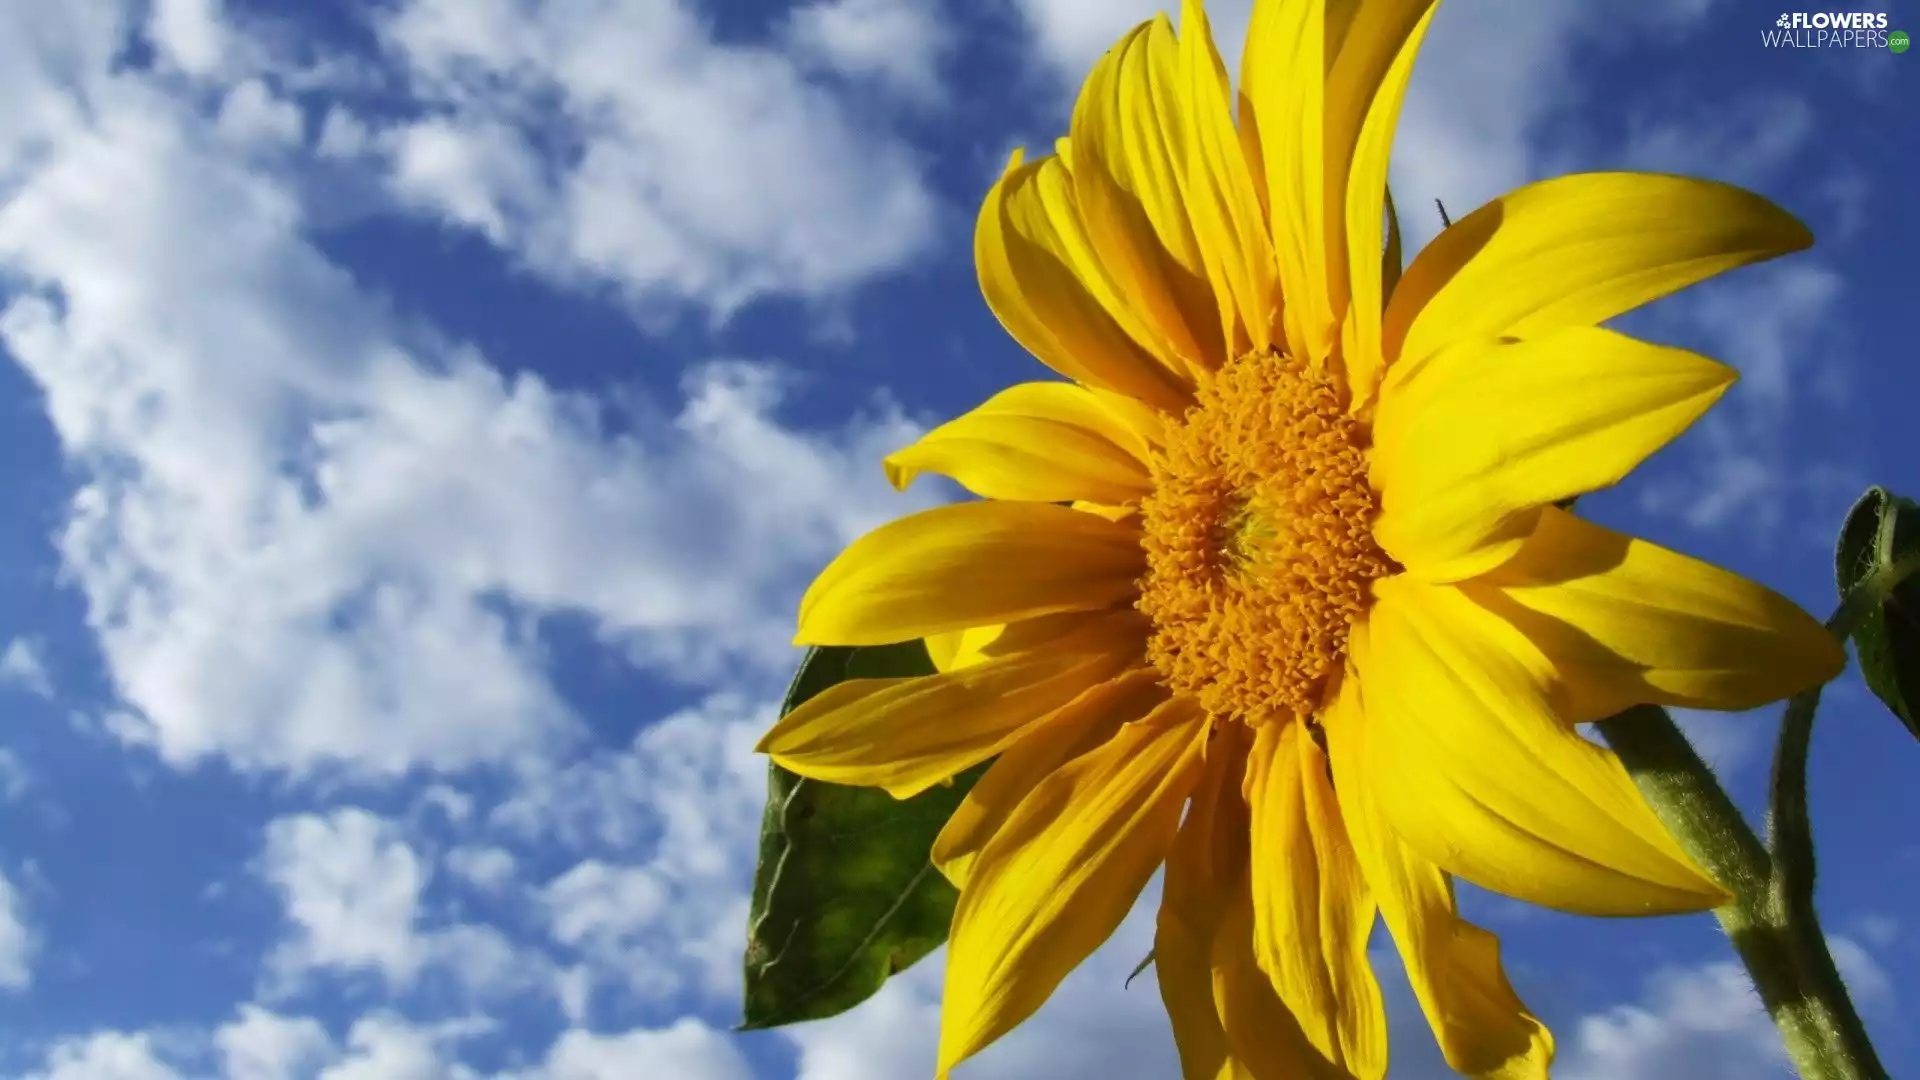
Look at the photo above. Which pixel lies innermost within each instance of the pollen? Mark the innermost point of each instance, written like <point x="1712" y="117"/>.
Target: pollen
<point x="1259" y="541"/>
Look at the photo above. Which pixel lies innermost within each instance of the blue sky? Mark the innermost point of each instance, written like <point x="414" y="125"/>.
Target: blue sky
<point x="422" y="416"/>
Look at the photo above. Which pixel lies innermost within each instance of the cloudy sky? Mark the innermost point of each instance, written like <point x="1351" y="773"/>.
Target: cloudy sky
<point x="422" y="416"/>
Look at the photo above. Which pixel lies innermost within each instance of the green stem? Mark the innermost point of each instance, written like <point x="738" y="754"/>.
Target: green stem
<point x="1807" y="1000"/>
<point x="1790" y="887"/>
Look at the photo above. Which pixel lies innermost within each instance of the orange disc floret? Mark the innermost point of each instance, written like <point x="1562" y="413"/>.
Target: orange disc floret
<point x="1258" y="533"/>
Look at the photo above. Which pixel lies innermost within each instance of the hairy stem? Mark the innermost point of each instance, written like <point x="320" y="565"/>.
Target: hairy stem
<point x="1779" y="942"/>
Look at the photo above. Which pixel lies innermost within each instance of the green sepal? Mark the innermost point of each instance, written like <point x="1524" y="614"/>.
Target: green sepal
<point x="1882" y="529"/>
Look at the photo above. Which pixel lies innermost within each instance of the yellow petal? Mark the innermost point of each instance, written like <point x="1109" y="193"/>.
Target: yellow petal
<point x="1474" y="771"/>
<point x="1394" y="257"/>
<point x="1044" y="283"/>
<point x="956" y="649"/>
<point x="1266" y="1040"/>
<point x="1081" y="725"/>
<point x="1312" y="910"/>
<point x="1111" y="513"/>
<point x="1365" y="88"/>
<point x="1470" y="442"/>
<point x="1576" y="251"/>
<point x="1366" y="43"/>
<point x="1038" y="442"/>
<point x="1061" y="873"/>
<point x="1482" y="1026"/>
<point x="906" y="735"/>
<point x="1142" y="430"/>
<point x="1282" y="90"/>
<point x="1227" y="1021"/>
<point x="1207" y="866"/>
<point x="967" y="565"/>
<point x="1131" y="139"/>
<point x="1627" y="622"/>
<point x="1220" y="194"/>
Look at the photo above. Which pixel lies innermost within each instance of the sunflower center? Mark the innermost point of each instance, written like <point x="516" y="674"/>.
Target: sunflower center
<point x="1259" y="541"/>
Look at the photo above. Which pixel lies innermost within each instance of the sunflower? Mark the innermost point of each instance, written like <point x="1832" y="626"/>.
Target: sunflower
<point x="1276" y="589"/>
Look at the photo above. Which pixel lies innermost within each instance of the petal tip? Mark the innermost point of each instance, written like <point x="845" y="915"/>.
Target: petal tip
<point x="1703" y="893"/>
<point x="1798" y="236"/>
<point x="899" y="475"/>
<point x="1708" y="895"/>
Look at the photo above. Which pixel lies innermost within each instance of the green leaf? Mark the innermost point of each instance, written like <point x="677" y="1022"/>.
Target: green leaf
<point x="1882" y="529"/>
<point x="845" y="895"/>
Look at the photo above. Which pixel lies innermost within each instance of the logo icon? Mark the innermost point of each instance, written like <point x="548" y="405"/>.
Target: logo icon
<point x="1784" y="21"/>
<point x="1898" y="41"/>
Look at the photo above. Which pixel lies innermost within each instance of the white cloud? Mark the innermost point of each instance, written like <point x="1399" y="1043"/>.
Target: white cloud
<point x="687" y="1050"/>
<point x="23" y="666"/>
<point x="474" y="174"/>
<point x="18" y="944"/>
<point x="252" y="113"/>
<point x="342" y="135"/>
<point x="894" y="1033"/>
<point x="1743" y="466"/>
<point x="263" y="1045"/>
<point x="1766" y="319"/>
<point x="352" y="890"/>
<point x="1489" y="74"/>
<point x="573" y="989"/>
<point x="1849" y="198"/>
<point x="1744" y="143"/>
<point x="1492" y="80"/>
<point x="352" y="887"/>
<point x="1879" y="931"/>
<point x="594" y="904"/>
<point x="383" y="1047"/>
<point x="898" y="43"/>
<point x="678" y="811"/>
<point x="314" y="536"/>
<point x="451" y="803"/>
<point x="191" y="33"/>
<point x="756" y="181"/>
<point x="1703" y="1023"/>
<point x="689" y="789"/>
<point x="107" y="1055"/>
<point x="487" y="868"/>
<point x="177" y="369"/>
<point x="43" y="49"/>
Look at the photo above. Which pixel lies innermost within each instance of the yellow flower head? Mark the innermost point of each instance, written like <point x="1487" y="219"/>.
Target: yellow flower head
<point x="1274" y="592"/>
